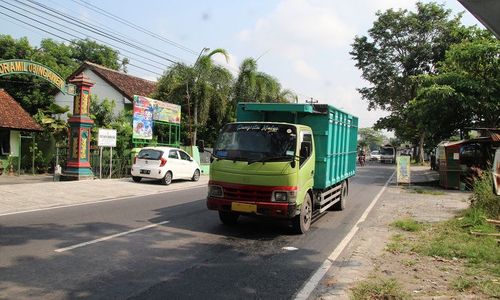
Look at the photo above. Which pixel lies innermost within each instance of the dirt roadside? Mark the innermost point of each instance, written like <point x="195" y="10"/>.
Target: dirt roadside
<point x="367" y="256"/>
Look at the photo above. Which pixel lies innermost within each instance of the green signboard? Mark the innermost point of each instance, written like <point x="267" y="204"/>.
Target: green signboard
<point x="21" y="66"/>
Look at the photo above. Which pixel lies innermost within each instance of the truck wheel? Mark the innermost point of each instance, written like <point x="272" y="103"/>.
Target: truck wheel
<point x="167" y="179"/>
<point x="136" y="178"/>
<point x="344" y="192"/>
<point x="228" y="218"/>
<point x="302" y="222"/>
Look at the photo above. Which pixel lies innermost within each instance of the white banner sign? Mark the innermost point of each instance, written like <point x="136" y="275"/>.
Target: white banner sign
<point x="106" y="137"/>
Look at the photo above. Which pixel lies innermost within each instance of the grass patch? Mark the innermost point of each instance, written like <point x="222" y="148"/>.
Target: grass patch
<point x="407" y="225"/>
<point x="418" y="190"/>
<point x="409" y="262"/>
<point x="483" y="197"/>
<point x="378" y="289"/>
<point x="462" y="284"/>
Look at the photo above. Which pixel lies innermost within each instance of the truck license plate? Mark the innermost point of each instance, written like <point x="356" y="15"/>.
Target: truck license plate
<point x="243" y="207"/>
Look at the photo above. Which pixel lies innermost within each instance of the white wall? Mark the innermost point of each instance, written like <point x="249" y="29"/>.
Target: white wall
<point x="101" y="89"/>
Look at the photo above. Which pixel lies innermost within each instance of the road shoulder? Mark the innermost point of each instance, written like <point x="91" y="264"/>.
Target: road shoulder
<point x="366" y="254"/>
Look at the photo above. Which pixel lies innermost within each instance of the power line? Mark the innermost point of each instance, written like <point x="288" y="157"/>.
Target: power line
<point x="70" y="34"/>
<point x="63" y="38"/>
<point x="132" y="25"/>
<point x="90" y="27"/>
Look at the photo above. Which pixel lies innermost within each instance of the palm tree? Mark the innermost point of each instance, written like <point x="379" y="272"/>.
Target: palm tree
<point x="204" y="89"/>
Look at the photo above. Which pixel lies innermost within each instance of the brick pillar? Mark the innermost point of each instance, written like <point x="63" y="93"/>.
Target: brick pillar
<point x="78" y="164"/>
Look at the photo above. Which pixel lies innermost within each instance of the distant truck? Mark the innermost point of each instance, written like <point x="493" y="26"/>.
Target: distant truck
<point x="288" y="161"/>
<point x="387" y="154"/>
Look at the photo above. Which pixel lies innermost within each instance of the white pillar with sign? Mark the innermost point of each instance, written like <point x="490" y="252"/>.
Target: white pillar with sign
<point x="106" y="138"/>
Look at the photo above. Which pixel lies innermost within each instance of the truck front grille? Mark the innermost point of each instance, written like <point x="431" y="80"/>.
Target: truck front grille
<point x="241" y="194"/>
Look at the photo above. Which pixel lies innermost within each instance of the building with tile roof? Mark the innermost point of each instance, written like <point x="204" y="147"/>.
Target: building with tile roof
<point x="110" y="84"/>
<point x="13" y="120"/>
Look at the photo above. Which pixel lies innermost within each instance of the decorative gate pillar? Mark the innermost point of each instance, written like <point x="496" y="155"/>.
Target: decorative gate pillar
<point x="78" y="164"/>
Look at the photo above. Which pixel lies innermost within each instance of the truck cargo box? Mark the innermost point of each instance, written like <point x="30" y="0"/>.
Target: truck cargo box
<point x="335" y="135"/>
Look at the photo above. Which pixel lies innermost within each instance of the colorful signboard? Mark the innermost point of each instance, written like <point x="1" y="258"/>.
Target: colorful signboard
<point x="21" y="66"/>
<point x="403" y="167"/>
<point x="147" y="110"/>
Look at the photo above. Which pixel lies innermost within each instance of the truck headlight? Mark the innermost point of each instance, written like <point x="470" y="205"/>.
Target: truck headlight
<point x="280" y="197"/>
<point x="284" y="196"/>
<point x="215" y="191"/>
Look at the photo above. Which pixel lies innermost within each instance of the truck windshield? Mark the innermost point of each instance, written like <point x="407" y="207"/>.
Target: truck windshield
<point x="387" y="151"/>
<point x="256" y="142"/>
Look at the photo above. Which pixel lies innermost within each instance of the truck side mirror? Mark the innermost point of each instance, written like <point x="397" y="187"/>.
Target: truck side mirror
<point x="201" y="145"/>
<point x="305" y="149"/>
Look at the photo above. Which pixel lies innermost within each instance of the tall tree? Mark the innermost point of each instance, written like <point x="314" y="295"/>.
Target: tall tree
<point x="371" y="138"/>
<point x="403" y="44"/>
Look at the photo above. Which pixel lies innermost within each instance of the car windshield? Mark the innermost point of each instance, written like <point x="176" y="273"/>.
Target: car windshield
<point x="150" y="154"/>
<point x="256" y="142"/>
<point x="387" y="151"/>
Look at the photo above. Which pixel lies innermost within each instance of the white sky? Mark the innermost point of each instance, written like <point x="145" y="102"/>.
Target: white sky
<point x="304" y="44"/>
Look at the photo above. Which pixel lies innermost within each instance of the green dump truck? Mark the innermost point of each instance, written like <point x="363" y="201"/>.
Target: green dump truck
<point x="290" y="161"/>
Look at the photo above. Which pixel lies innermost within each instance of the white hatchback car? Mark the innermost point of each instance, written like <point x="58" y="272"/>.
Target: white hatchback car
<point x="164" y="164"/>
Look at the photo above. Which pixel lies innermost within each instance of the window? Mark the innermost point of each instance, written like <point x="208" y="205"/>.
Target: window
<point x="304" y="154"/>
<point x="184" y="156"/>
<point x="4" y="142"/>
<point x="150" y="154"/>
<point x="173" y="154"/>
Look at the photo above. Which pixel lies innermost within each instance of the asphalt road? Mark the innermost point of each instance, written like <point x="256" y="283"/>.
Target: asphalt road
<point x="105" y="250"/>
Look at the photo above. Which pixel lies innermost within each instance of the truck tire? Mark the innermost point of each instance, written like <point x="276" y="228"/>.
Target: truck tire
<point x="344" y="192"/>
<point x="228" y="218"/>
<point x="302" y="222"/>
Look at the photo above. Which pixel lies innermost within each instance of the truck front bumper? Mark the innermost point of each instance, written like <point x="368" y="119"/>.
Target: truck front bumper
<point x="269" y="209"/>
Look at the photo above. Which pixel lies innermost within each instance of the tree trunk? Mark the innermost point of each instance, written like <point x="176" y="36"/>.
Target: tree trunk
<point x="421" y="149"/>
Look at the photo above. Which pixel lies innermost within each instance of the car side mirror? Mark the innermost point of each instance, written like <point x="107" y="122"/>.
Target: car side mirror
<point x="201" y="145"/>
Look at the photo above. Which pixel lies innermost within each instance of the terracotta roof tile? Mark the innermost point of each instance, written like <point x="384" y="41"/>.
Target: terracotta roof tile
<point x="126" y="84"/>
<point x="13" y="116"/>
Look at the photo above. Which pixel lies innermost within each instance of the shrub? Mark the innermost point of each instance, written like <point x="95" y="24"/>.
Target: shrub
<point x="484" y="198"/>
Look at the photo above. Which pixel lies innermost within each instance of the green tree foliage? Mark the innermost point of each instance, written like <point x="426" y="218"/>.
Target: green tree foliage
<point x="370" y="138"/>
<point x="403" y="44"/>
<point x="254" y="86"/>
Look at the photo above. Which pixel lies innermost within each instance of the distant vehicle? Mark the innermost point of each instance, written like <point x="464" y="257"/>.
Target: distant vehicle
<point x="375" y="155"/>
<point x="164" y="164"/>
<point x="387" y="154"/>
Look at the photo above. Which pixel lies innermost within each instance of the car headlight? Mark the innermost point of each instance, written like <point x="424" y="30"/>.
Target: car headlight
<point x="215" y="191"/>
<point x="284" y="196"/>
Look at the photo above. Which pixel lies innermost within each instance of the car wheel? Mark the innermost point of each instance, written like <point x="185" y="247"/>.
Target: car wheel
<point x="302" y="222"/>
<point x="136" y="178"/>
<point x="196" y="175"/>
<point x="228" y="218"/>
<point x="167" y="179"/>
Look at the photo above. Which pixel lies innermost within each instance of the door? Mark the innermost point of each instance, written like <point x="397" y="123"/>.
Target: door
<point x="187" y="165"/>
<point x="174" y="164"/>
<point x="306" y="164"/>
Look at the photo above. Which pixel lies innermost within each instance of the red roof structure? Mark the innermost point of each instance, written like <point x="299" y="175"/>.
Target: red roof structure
<point x="126" y="84"/>
<point x="13" y="116"/>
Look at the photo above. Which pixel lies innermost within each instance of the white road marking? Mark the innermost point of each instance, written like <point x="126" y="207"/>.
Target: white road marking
<point x="103" y="200"/>
<point x="311" y="284"/>
<point x="109" y="237"/>
<point x="290" y="248"/>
